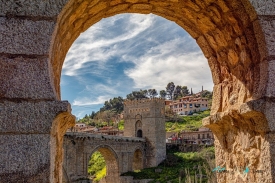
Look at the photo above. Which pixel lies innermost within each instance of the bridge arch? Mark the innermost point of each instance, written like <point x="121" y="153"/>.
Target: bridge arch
<point x="231" y="38"/>
<point x="111" y="159"/>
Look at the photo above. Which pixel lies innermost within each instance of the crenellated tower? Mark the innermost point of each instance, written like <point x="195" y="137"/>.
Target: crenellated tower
<point x="146" y="118"/>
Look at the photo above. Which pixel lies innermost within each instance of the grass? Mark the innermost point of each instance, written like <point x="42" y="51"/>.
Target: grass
<point x="192" y="122"/>
<point x="182" y="166"/>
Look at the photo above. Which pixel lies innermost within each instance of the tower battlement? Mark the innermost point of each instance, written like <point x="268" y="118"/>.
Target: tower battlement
<point x="153" y="107"/>
<point x="143" y="101"/>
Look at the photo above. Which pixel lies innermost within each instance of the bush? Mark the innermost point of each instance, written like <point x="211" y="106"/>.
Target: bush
<point x="192" y="166"/>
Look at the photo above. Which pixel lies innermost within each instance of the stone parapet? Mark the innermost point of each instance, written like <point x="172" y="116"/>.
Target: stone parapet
<point x="79" y="135"/>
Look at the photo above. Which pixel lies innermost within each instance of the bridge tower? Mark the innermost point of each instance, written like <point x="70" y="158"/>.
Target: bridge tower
<point x="146" y="118"/>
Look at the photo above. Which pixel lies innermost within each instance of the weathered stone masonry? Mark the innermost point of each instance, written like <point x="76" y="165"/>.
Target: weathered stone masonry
<point x="236" y="36"/>
<point x="142" y="146"/>
<point x="119" y="154"/>
<point x="146" y="118"/>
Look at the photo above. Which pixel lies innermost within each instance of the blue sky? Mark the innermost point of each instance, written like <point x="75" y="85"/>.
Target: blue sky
<point x="130" y="52"/>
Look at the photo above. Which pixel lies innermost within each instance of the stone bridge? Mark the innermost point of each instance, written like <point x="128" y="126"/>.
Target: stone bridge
<point x="236" y="36"/>
<point x="121" y="154"/>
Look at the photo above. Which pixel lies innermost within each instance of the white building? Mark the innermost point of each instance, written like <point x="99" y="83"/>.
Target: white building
<point x="188" y="105"/>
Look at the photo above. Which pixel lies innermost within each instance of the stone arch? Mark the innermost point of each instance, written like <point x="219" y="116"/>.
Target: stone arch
<point x="112" y="162"/>
<point x="230" y="37"/>
<point x="138" y="159"/>
<point x="223" y="30"/>
<point x="235" y="36"/>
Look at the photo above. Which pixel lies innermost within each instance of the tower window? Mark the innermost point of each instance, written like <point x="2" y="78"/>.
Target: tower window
<point x="139" y="133"/>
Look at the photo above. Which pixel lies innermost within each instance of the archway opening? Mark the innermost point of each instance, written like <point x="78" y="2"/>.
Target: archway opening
<point x="96" y="167"/>
<point x="224" y="30"/>
<point x="137" y="160"/>
<point x="166" y="53"/>
<point x="129" y="52"/>
<point x="103" y="165"/>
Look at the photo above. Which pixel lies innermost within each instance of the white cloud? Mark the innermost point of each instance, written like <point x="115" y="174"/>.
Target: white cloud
<point x="102" y="88"/>
<point x="86" y="101"/>
<point x="169" y="62"/>
<point x="93" y="46"/>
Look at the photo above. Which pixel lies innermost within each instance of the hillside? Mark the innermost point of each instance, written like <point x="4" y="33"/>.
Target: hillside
<point x="187" y="167"/>
<point x="192" y="122"/>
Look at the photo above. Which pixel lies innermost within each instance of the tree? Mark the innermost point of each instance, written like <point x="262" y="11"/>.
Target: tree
<point x="137" y="95"/>
<point x="86" y="119"/>
<point x="152" y="93"/>
<point x="162" y="94"/>
<point x="178" y="92"/>
<point x="108" y="115"/>
<point x="184" y="91"/>
<point x="115" y="104"/>
<point x="170" y="89"/>
<point x="104" y="117"/>
<point x="93" y="114"/>
<point x="206" y="94"/>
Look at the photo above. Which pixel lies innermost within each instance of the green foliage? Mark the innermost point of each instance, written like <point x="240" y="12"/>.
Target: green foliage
<point x="88" y="119"/>
<point x="207" y="94"/>
<point x="192" y="122"/>
<point x="137" y="95"/>
<point x="97" y="166"/>
<point x="178" y="92"/>
<point x="192" y="162"/>
<point x="121" y="125"/>
<point x="184" y="91"/>
<point x="170" y="90"/>
<point x="115" y="104"/>
<point x="152" y="93"/>
<point x="162" y="94"/>
<point x="100" y="174"/>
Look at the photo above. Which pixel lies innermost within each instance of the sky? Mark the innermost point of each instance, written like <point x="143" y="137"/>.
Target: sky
<point x="126" y="53"/>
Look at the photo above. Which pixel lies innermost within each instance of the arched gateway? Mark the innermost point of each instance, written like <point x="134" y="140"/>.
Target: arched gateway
<point x="236" y="36"/>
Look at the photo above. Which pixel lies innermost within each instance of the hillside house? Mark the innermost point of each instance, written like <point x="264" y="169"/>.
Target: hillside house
<point x="203" y="136"/>
<point x="188" y="105"/>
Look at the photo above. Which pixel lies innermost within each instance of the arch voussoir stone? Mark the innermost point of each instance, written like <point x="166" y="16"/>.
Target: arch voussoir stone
<point x="237" y="38"/>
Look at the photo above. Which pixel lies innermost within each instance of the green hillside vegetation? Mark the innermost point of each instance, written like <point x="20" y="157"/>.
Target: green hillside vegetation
<point x="192" y="122"/>
<point x="97" y="167"/>
<point x="182" y="167"/>
<point x="121" y="125"/>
